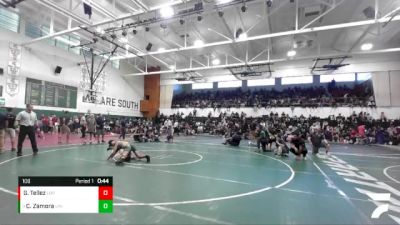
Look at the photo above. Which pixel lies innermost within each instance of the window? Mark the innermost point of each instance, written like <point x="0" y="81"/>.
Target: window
<point x="261" y="82"/>
<point x="350" y="77"/>
<point x="230" y="84"/>
<point x="46" y="31"/>
<point x="297" y="80"/>
<point x="363" y="76"/>
<point x="115" y="64"/>
<point x="74" y="41"/>
<point x="62" y="41"/>
<point x="197" y="86"/>
<point x="32" y="30"/>
<point x="9" y="20"/>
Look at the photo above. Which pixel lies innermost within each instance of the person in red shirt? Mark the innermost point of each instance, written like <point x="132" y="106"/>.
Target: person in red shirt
<point x="361" y="131"/>
<point x="45" y="123"/>
<point x="353" y="136"/>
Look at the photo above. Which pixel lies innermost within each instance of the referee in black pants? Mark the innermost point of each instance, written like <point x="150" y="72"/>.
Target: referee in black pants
<point x="27" y="120"/>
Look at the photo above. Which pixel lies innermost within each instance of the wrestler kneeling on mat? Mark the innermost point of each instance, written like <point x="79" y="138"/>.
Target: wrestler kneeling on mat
<point x="123" y="151"/>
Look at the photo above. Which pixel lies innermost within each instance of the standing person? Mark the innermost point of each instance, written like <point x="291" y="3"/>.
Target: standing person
<point x="83" y="124"/>
<point x="123" y="129"/>
<point x="10" y="129"/>
<point x="100" y="128"/>
<point x="64" y="129"/>
<point x="54" y="120"/>
<point x="3" y="125"/>
<point x="27" y="120"/>
<point x="91" y="126"/>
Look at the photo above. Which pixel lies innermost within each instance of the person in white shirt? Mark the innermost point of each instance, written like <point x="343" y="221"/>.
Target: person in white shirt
<point x="27" y="120"/>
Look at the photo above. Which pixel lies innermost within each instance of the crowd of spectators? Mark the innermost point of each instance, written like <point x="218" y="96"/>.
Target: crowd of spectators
<point x="331" y="96"/>
<point x="359" y="128"/>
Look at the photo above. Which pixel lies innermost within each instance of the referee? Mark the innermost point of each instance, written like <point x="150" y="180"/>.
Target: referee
<point x="27" y="120"/>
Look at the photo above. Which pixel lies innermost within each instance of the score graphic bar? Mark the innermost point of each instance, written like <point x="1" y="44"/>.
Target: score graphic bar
<point x="65" y="194"/>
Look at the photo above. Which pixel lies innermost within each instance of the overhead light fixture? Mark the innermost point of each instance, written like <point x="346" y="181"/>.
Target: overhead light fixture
<point x="95" y="40"/>
<point x="166" y="12"/>
<point x="199" y="18"/>
<point x="269" y="3"/>
<point x="238" y="32"/>
<point x="220" y="13"/>
<point x="172" y="67"/>
<point x="181" y="21"/>
<point x="243" y="8"/>
<point x="148" y="47"/>
<point x="367" y="46"/>
<point x="113" y="36"/>
<point x="147" y="29"/>
<point x="100" y="30"/>
<point x="216" y="61"/>
<point x="134" y="31"/>
<point x="223" y="1"/>
<point x="198" y="43"/>
<point x="242" y="36"/>
<point x="291" y="53"/>
<point x="161" y="49"/>
<point x="124" y="33"/>
<point x="123" y="40"/>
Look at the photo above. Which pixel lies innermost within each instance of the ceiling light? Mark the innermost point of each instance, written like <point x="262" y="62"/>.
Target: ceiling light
<point x="166" y="12"/>
<point x="291" y="53"/>
<point x="367" y="46"/>
<point x="181" y="21"/>
<point x="172" y="67"/>
<point x="147" y="29"/>
<point x="220" y="13"/>
<point x="199" y="18"/>
<point x="243" y="8"/>
<point x="100" y="30"/>
<point x="113" y="36"/>
<point x="123" y="40"/>
<point x="148" y="47"/>
<point x="134" y="31"/>
<point x="242" y="36"/>
<point x="124" y="33"/>
<point x="269" y="3"/>
<point x="198" y="43"/>
<point x="161" y="49"/>
<point x="216" y="61"/>
<point x="238" y="32"/>
<point x="223" y="1"/>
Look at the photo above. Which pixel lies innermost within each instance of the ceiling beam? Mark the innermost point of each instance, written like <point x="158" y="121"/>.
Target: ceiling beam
<point x="323" y="14"/>
<point x="99" y="8"/>
<point x="272" y="35"/>
<point x="63" y="11"/>
<point x="98" y="23"/>
<point x="225" y="66"/>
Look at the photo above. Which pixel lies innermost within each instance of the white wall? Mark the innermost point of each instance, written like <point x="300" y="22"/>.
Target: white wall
<point x="323" y="112"/>
<point x="38" y="62"/>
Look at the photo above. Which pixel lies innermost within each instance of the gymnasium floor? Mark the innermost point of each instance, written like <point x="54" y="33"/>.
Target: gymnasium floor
<point x="196" y="180"/>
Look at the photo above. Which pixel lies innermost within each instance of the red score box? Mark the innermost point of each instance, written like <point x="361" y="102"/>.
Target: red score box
<point x="105" y="193"/>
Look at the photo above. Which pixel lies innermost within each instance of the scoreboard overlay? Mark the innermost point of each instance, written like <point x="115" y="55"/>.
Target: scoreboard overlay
<point x="65" y="194"/>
